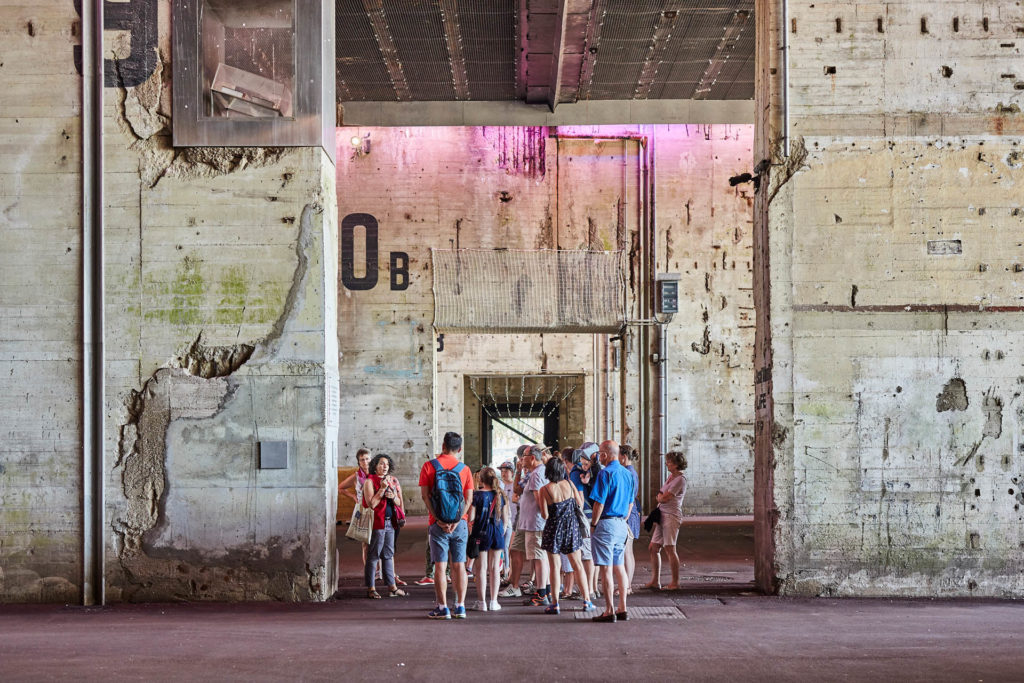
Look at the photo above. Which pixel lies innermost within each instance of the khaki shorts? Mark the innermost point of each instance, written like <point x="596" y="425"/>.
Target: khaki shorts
<point x="533" y="549"/>
<point x="666" y="532"/>
<point x="518" y="542"/>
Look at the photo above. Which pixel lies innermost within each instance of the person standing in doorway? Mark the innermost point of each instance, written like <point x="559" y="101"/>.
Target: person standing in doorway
<point x="507" y="471"/>
<point x="488" y="516"/>
<point x="666" y="532"/>
<point x="562" y="537"/>
<point x="612" y="498"/>
<point x="446" y="486"/>
<point x="517" y="545"/>
<point x="589" y="469"/>
<point x="531" y="522"/>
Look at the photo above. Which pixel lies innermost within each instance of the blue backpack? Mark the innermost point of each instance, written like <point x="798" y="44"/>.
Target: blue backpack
<point x="446" y="496"/>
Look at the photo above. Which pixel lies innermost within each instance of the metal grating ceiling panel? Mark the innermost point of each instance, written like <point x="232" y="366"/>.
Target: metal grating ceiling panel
<point x="361" y="72"/>
<point x="489" y="42"/>
<point x="626" y="34"/>
<point x="418" y="32"/>
<point x="391" y="50"/>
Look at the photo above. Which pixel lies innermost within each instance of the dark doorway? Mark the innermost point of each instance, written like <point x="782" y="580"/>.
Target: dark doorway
<point x="522" y="421"/>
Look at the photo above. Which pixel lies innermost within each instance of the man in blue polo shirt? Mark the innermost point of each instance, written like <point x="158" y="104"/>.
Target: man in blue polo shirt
<point x="612" y="499"/>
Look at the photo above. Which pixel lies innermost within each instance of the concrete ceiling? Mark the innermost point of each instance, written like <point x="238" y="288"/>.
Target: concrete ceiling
<point x="544" y="51"/>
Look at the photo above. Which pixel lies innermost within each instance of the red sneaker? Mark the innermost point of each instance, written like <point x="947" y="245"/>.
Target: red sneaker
<point x="425" y="581"/>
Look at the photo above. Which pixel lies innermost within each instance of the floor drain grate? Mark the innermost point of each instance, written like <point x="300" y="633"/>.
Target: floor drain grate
<point x="643" y="613"/>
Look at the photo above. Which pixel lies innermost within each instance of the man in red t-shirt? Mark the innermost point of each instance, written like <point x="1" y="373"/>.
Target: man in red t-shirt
<point x="448" y="540"/>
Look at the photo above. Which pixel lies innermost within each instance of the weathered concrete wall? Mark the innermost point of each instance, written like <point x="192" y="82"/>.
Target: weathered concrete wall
<point x="896" y="299"/>
<point x="519" y="188"/>
<point x="40" y="290"/>
<point x="220" y="290"/>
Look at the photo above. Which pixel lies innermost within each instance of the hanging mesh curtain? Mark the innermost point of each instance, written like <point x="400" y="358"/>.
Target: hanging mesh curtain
<point x="502" y="290"/>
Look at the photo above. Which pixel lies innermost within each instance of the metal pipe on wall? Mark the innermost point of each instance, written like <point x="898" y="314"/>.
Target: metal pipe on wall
<point x="660" y="431"/>
<point x="644" y="333"/>
<point x="607" y="389"/>
<point x="662" y="418"/>
<point x="598" y="389"/>
<point x="785" y="78"/>
<point x="93" y="369"/>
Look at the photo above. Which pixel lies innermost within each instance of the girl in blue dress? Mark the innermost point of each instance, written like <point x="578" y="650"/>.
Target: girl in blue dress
<point x="488" y="517"/>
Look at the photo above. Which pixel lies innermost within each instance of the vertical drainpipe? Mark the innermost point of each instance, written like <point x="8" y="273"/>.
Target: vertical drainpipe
<point x="93" y="372"/>
<point x="598" y="389"/>
<point x="661" y="425"/>
<point x="785" y="79"/>
<point x="643" y="346"/>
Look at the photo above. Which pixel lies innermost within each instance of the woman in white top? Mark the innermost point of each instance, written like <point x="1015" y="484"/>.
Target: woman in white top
<point x="666" y="532"/>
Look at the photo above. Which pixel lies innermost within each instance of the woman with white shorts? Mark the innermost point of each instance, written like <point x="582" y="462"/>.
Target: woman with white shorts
<point x="666" y="532"/>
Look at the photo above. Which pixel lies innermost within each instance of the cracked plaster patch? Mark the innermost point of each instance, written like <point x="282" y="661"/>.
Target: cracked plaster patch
<point x="204" y="373"/>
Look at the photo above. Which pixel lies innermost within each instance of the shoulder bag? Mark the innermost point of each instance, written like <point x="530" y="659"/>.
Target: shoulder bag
<point x="581" y="519"/>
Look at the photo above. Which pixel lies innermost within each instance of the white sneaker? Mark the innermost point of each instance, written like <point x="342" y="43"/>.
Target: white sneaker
<point x="479" y="606"/>
<point x="495" y="606"/>
<point x="510" y="592"/>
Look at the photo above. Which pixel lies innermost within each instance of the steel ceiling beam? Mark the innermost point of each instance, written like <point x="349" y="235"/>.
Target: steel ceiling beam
<point x="523" y="28"/>
<point x="386" y="42"/>
<point x="590" y="41"/>
<point x="730" y="34"/>
<point x="513" y="113"/>
<point x="557" y="53"/>
<point x="453" y="39"/>
<point x="656" y="50"/>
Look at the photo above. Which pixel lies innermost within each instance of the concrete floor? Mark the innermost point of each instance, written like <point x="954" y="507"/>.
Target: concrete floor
<point x="720" y="631"/>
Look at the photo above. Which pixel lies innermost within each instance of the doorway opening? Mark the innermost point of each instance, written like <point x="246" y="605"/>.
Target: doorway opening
<point x="505" y="428"/>
<point x="502" y="412"/>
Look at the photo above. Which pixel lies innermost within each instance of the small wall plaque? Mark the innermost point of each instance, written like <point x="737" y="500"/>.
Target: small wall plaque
<point x="273" y="455"/>
<point x="944" y="247"/>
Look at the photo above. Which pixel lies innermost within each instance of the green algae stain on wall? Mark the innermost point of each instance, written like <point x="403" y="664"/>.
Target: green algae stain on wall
<point x="241" y="302"/>
<point x="228" y="296"/>
<point x="187" y="293"/>
<point x="234" y="290"/>
<point x="178" y="301"/>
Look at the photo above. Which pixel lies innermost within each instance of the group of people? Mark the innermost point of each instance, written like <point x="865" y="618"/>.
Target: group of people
<point x="573" y="513"/>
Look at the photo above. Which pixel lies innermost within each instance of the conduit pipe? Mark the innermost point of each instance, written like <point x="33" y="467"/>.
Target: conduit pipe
<point x="785" y="78"/>
<point x="598" y="389"/>
<point x="643" y="333"/>
<point x="661" y="427"/>
<point x="93" y="369"/>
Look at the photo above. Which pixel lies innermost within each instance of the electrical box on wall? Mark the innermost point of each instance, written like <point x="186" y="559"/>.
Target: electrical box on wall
<point x="668" y="293"/>
<point x="273" y="455"/>
<point x="253" y="73"/>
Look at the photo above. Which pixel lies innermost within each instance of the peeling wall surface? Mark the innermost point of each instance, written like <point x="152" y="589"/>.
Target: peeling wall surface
<point x="405" y="191"/>
<point x="220" y="290"/>
<point x="896" y="298"/>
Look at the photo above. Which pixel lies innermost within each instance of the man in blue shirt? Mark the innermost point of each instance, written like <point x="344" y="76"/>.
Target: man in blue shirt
<point x="612" y="499"/>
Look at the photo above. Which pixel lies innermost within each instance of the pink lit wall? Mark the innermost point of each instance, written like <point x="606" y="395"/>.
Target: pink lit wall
<point x="535" y="188"/>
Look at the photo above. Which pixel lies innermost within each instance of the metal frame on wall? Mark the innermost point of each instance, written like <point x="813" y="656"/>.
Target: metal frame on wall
<point x="310" y="117"/>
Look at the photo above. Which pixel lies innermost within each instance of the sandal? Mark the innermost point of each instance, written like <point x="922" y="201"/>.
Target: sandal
<point x="396" y="592"/>
<point x="399" y="582"/>
<point x="373" y="594"/>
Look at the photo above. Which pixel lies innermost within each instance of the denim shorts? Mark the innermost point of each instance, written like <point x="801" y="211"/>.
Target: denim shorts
<point x="608" y="542"/>
<point x="448" y="547"/>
